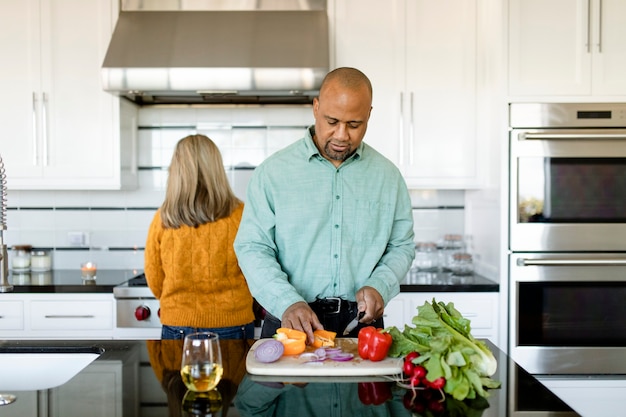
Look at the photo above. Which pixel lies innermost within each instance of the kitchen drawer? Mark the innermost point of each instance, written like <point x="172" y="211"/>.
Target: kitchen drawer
<point x="11" y="315"/>
<point x="481" y="308"/>
<point x="71" y="315"/>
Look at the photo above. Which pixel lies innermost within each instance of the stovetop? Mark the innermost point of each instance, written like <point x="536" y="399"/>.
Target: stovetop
<point x="136" y="287"/>
<point x="138" y="281"/>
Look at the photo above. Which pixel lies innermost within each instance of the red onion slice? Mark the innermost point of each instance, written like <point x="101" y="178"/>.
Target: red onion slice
<point x="269" y="351"/>
<point x="342" y="357"/>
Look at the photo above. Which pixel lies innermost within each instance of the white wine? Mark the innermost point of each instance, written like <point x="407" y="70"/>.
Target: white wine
<point x="202" y="377"/>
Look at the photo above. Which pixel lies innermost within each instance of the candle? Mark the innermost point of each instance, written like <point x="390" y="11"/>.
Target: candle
<point x="88" y="270"/>
<point x="40" y="260"/>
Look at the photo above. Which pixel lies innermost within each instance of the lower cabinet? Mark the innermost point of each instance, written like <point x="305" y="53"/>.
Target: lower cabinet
<point x="57" y="316"/>
<point x="12" y="315"/>
<point x="481" y="308"/>
<point x="24" y="405"/>
<point x="97" y="388"/>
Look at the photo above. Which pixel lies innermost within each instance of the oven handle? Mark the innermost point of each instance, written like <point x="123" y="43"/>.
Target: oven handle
<point x="540" y="136"/>
<point x="573" y="262"/>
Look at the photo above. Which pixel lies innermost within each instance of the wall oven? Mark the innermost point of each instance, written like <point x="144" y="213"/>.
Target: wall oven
<point x="567" y="237"/>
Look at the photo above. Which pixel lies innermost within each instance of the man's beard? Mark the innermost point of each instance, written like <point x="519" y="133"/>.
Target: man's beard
<point x="337" y="156"/>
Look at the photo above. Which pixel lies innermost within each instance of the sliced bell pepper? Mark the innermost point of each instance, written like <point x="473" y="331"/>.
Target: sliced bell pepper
<point x="374" y="393"/>
<point x="324" y="338"/>
<point x="373" y="343"/>
<point x="293" y="340"/>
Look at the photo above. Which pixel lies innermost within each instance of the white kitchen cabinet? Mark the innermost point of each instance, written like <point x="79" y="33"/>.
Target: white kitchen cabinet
<point x="99" y="388"/>
<point x="481" y="308"/>
<point x="59" y="129"/>
<point x="567" y="48"/>
<point x="57" y="316"/>
<point x="11" y="315"/>
<point x="24" y="405"/>
<point x="422" y="59"/>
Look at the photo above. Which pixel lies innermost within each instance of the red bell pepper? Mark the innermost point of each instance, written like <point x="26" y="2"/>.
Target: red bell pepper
<point x="374" y="393"/>
<point x="373" y="344"/>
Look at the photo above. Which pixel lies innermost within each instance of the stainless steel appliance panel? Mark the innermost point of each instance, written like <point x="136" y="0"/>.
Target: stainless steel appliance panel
<point x="567" y="177"/>
<point x="567" y="312"/>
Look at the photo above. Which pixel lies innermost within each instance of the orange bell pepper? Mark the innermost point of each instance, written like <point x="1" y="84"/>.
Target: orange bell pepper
<point x="293" y="340"/>
<point x="324" y="338"/>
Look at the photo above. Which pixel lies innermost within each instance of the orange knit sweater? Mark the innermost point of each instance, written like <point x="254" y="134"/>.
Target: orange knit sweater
<point x="195" y="274"/>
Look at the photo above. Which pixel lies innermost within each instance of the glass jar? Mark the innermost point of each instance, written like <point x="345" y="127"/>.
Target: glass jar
<point x="40" y="260"/>
<point x="451" y="244"/>
<point x="41" y="277"/>
<point x="462" y="264"/>
<point x="426" y="257"/>
<point x="21" y="258"/>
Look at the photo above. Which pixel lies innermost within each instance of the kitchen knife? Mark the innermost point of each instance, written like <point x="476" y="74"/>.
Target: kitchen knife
<point x="352" y="325"/>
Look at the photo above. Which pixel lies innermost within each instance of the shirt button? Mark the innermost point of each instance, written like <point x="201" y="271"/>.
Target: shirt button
<point x="336" y="226"/>
<point x="336" y="256"/>
<point x="337" y="197"/>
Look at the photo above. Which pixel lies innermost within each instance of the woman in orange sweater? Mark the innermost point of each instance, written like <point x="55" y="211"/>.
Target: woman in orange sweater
<point x="190" y="263"/>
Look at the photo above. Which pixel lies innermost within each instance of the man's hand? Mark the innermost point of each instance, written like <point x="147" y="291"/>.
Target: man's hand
<point x="371" y="302"/>
<point x="299" y="316"/>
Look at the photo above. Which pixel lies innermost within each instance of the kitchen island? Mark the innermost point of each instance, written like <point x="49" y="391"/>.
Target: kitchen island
<point x="141" y="378"/>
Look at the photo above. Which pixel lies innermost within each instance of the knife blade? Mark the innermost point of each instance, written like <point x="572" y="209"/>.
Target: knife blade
<point x="355" y="322"/>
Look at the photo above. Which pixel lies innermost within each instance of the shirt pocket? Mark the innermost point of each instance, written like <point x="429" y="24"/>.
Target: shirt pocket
<point x="374" y="220"/>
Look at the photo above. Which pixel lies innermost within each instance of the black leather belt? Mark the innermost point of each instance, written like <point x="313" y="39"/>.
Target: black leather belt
<point x="332" y="305"/>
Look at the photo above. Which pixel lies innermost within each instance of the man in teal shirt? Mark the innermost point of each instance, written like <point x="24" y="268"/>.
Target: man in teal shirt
<point x="327" y="229"/>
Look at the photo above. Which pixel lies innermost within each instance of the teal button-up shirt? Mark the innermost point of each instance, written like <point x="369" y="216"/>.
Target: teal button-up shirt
<point x="311" y="230"/>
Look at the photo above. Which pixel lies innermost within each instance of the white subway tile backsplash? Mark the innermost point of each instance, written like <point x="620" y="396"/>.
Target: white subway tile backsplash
<point x="68" y="220"/>
<point x="116" y="222"/>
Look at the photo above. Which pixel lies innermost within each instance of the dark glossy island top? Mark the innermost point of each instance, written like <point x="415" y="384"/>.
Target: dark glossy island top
<point x="141" y="378"/>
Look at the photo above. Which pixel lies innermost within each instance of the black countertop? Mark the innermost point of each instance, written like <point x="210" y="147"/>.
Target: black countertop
<point x="447" y="282"/>
<point x="150" y="384"/>
<point x="69" y="281"/>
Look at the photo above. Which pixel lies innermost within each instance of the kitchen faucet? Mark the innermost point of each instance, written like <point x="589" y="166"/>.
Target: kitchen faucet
<point x="4" y="261"/>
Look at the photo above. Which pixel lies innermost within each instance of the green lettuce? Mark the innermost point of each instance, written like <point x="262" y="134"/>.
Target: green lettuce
<point x="442" y="336"/>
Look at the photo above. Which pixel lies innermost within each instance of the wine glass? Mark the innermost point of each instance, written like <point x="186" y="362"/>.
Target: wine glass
<point x="201" y="368"/>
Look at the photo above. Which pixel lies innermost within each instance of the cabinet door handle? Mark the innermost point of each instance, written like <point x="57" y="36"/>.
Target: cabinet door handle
<point x="411" y="130"/>
<point x="600" y="26"/>
<point x="44" y="128"/>
<point x="34" y="128"/>
<point x="588" y="44"/>
<point x="401" y="121"/>
<point x="69" y="316"/>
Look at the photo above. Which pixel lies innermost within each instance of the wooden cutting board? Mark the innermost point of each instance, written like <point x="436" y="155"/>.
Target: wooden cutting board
<point x="293" y="365"/>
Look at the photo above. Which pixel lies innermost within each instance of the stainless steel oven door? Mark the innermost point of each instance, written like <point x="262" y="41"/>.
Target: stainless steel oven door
<point x="567" y="312"/>
<point x="567" y="190"/>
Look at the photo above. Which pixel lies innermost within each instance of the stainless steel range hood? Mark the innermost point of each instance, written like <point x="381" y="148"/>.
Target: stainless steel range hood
<point x="218" y="56"/>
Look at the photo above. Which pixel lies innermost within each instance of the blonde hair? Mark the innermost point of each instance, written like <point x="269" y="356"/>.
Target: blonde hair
<point x="197" y="191"/>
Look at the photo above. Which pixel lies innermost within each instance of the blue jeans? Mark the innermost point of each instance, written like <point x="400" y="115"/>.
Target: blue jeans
<point x="245" y="331"/>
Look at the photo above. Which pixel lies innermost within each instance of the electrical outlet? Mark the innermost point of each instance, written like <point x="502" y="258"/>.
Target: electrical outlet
<point x="77" y="238"/>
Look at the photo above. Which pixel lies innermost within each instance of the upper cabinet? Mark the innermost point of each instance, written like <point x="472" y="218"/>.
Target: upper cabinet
<point x="60" y="130"/>
<point x="567" y="48"/>
<point x="421" y="56"/>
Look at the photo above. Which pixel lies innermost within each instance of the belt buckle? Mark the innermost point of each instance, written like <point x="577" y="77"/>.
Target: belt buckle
<point x="336" y="299"/>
